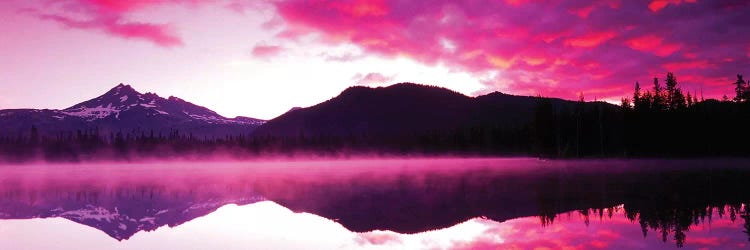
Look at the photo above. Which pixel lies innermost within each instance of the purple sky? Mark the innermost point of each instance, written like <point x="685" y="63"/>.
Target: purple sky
<point x="261" y="58"/>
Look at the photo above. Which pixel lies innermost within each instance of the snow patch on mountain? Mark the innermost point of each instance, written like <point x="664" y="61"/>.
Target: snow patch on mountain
<point x="91" y="212"/>
<point x="94" y="113"/>
<point x="123" y="106"/>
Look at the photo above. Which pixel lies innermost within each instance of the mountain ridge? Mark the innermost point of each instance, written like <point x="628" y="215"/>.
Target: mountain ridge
<point x="361" y="109"/>
<point x="122" y="108"/>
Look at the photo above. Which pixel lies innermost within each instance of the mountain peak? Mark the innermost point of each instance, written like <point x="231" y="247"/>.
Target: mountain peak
<point x="122" y="108"/>
<point x="122" y="89"/>
<point x="174" y="98"/>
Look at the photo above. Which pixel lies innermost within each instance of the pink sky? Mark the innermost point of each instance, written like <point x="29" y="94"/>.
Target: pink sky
<point x="261" y="58"/>
<point x="266" y="225"/>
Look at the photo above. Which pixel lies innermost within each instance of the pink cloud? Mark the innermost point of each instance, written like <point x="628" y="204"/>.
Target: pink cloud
<point x="161" y="35"/>
<point x="583" y="12"/>
<point x="345" y="57"/>
<point x="361" y="8"/>
<point x="266" y="51"/>
<point x="653" y="44"/>
<point x="379" y="238"/>
<point x="107" y="16"/>
<point x="657" y="5"/>
<point x="120" y="6"/>
<point x="241" y="6"/>
<point x="589" y="40"/>
<point x="572" y="47"/>
<point x="679" y="66"/>
<point x="371" y="79"/>
<point x="571" y="231"/>
<point x="516" y="2"/>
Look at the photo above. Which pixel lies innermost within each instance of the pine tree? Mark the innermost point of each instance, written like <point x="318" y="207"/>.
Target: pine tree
<point x="675" y="99"/>
<point x="671" y="83"/>
<point x="678" y="100"/>
<point x="740" y="89"/>
<point x="647" y="101"/>
<point x="657" y="103"/>
<point x="637" y="104"/>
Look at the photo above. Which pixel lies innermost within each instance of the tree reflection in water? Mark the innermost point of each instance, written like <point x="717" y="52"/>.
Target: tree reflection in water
<point x="665" y="198"/>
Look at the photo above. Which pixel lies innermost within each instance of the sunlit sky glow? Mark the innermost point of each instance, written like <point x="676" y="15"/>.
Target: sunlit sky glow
<point x="266" y="225"/>
<point x="261" y="58"/>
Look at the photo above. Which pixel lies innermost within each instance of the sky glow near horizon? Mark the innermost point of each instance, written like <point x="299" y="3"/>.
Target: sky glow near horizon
<point x="261" y="58"/>
<point x="266" y="225"/>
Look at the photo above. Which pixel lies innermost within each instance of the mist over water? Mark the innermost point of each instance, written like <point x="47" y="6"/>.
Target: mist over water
<point x="416" y="203"/>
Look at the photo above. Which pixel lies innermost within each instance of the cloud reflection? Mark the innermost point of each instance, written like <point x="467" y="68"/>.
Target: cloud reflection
<point x="267" y="225"/>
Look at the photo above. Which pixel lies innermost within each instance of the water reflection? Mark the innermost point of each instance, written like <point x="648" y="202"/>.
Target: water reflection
<point x="458" y="203"/>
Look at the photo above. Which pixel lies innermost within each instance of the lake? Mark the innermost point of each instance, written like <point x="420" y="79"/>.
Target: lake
<point x="423" y="203"/>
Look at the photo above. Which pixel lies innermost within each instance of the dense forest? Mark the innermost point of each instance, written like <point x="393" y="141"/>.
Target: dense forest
<point x="660" y="121"/>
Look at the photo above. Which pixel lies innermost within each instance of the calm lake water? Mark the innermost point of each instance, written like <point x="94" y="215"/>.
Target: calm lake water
<point x="378" y="204"/>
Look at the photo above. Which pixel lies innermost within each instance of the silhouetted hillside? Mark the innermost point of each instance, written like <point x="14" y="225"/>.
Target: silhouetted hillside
<point x="409" y="117"/>
<point x="398" y="109"/>
<point x="402" y="119"/>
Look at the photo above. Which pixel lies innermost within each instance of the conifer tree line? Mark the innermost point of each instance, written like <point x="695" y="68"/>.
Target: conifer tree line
<point x="672" y="98"/>
<point x="657" y="121"/>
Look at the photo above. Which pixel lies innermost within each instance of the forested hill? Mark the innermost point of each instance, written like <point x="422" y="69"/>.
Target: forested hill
<point x="413" y="119"/>
<point x="409" y="117"/>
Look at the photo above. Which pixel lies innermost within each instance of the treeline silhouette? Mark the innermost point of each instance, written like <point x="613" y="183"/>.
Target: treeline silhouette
<point x="668" y="223"/>
<point x="92" y="145"/>
<point x="666" y="198"/>
<point x="660" y="121"/>
<point x="663" y="121"/>
<point x="667" y="203"/>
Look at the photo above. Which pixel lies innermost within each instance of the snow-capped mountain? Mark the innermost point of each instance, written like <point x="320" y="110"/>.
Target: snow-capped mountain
<point x="123" y="211"/>
<point x="125" y="99"/>
<point x="122" y="108"/>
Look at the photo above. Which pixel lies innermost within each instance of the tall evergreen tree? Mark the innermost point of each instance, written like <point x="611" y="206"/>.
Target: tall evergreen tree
<point x="637" y="105"/>
<point x="647" y="101"/>
<point x="671" y="83"/>
<point x="678" y="100"/>
<point x="657" y="102"/>
<point x="740" y="89"/>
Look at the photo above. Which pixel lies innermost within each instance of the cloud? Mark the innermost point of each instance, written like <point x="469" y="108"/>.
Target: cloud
<point x="378" y="238"/>
<point x="345" y="57"/>
<point x="654" y="44"/>
<point x="266" y="51"/>
<point x="371" y="79"/>
<point x="556" y="48"/>
<point x="119" y="6"/>
<point x="657" y="5"/>
<point x="590" y="40"/>
<point x="108" y="17"/>
<point x="161" y="35"/>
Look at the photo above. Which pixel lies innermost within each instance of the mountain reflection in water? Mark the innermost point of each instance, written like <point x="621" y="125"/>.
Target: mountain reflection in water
<point x="423" y="203"/>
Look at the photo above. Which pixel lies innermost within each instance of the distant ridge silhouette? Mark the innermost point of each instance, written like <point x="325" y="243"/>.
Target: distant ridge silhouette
<point x="123" y="109"/>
